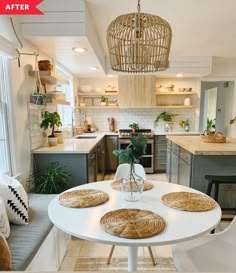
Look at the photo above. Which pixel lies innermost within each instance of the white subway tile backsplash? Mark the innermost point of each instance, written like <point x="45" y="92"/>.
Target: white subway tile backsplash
<point x="145" y="118"/>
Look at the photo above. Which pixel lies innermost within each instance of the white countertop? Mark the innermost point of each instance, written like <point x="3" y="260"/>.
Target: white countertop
<point x="73" y="145"/>
<point x="84" y="146"/>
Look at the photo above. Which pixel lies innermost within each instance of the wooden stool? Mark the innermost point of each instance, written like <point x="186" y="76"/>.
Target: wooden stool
<point x="217" y="180"/>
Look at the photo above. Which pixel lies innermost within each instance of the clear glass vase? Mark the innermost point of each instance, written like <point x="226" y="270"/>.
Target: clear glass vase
<point x="132" y="185"/>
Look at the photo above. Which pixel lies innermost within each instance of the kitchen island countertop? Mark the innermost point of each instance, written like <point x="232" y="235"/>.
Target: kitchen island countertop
<point x="194" y="145"/>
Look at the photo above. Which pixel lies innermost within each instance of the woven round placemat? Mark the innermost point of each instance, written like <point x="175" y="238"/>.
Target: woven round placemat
<point x="188" y="201"/>
<point x="116" y="185"/>
<point x="83" y="198"/>
<point x="132" y="223"/>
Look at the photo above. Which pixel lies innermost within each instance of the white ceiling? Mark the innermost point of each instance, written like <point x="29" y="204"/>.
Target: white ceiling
<point x="200" y="28"/>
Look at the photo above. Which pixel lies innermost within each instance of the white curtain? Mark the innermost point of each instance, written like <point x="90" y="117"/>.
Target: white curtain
<point x="5" y="154"/>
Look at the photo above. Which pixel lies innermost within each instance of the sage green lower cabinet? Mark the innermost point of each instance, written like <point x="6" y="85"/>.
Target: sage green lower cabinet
<point x="112" y="161"/>
<point x="160" y="143"/>
<point x="184" y="169"/>
<point x="189" y="170"/>
<point x="82" y="167"/>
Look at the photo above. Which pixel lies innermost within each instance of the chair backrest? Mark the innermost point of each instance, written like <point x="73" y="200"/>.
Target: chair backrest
<point x="123" y="170"/>
<point x="230" y="232"/>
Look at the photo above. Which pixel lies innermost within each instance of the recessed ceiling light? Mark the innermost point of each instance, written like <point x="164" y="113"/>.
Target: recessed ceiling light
<point x="79" y="49"/>
<point x="110" y="76"/>
<point x="179" y="75"/>
<point x="93" y="68"/>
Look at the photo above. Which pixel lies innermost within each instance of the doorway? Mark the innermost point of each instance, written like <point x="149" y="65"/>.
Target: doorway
<point x="216" y="105"/>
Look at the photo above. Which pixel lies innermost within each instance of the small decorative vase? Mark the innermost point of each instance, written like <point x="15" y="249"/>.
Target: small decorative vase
<point x="132" y="185"/>
<point x="60" y="137"/>
<point x="168" y="127"/>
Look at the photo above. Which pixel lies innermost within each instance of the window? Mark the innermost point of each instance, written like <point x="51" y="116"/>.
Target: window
<point x="5" y="155"/>
<point x="65" y="111"/>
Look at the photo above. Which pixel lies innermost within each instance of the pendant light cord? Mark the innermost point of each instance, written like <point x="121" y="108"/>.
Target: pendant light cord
<point x="138" y="7"/>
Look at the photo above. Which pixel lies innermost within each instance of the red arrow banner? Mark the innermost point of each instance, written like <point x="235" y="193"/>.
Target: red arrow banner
<point x="17" y="7"/>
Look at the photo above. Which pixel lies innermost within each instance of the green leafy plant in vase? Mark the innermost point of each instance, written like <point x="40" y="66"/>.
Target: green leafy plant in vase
<point x="167" y="118"/>
<point x="132" y="185"/>
<point x="134" y="126"/>
<point x="211" y="125"/>
<point x="51" y="120"/>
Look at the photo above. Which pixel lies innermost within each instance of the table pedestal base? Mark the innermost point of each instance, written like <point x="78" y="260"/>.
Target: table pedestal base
<point x="132" y="258"/>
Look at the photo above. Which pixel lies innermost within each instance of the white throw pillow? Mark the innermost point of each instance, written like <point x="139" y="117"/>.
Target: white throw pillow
<point x="15" y="198"/>
<point x="4" y="222"/>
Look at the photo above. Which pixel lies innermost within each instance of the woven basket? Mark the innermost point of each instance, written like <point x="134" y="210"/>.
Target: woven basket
<point x="207" y="136"/>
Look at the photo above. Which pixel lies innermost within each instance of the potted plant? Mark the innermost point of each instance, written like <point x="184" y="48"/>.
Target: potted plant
<point x="53" y="181"/>
<point x="167" y="118"/>
<point x="39" y="98"/>
<point x="50" y="120"/>
<point x="211" y="125"/>
<point x="132" y="186"/>
<point x="104" y="100"/>
<point x="134" y="126"/>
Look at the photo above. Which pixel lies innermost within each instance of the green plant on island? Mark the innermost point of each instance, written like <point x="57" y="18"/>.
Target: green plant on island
<point x="211" y="125"/>
<point x="50" y="120"/>
<point x="166" y="117"/>
<point x="53" y="181"/>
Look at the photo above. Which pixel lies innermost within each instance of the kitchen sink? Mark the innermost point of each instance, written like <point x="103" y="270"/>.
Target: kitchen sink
<point x="86" y="137"/>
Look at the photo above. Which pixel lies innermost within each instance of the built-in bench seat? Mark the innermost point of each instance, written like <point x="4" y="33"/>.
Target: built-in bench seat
<point x="38" y="246"/>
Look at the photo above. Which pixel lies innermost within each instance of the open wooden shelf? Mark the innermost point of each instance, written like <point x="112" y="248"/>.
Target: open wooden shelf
<point x="55" y="101"/>
<point x="96" y="94"/>
<point x="49" y="77"/>
<point x="175" y="93"/>
<point x="174" y="106"/>
<point x="99" y="107"/>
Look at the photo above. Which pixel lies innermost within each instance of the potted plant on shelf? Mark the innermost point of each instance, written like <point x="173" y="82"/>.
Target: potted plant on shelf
<point x="134" y="126"/>
<point x="104" y="100"/>
<point x="53" y="181"/>
<point x="132" y="185"/>
<point x="167" y="118"/>
<point x="51" y="120"/>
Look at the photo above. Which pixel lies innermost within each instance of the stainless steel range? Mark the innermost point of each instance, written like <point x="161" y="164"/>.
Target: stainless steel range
<point x="148" y="159"/>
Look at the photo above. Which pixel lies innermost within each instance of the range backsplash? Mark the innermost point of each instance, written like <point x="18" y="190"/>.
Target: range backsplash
<point x="144" y="117"/>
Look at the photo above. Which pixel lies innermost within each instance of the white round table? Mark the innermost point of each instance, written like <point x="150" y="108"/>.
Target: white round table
<point x="180" y="225"/>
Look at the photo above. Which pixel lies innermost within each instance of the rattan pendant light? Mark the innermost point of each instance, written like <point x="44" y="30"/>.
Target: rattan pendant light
<point x="139" y="42"/>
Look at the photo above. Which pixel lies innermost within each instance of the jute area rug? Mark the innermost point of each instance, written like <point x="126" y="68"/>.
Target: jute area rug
<point x="164" y="264"/>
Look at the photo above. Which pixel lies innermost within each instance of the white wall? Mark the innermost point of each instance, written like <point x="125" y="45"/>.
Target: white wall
<point x="22" y="89"/>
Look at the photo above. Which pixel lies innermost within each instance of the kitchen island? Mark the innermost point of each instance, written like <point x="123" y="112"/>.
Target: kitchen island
<point x="189" y="160"/>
